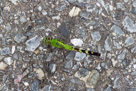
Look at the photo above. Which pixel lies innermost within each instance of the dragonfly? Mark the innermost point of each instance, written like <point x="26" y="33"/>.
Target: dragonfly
<point x="59" y="44"/>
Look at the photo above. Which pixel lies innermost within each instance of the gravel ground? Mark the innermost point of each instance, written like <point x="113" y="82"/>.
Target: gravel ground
<point x="104" y="26"/>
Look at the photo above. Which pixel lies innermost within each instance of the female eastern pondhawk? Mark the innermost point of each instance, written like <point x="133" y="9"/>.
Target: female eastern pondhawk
<point x="58" y="44"/>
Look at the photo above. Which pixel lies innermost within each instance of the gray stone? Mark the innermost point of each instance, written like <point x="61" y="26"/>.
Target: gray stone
<point x="32" y="43"/>
<point x="1" y="57"/>
<point x="90" y="7"/>
<point x="61" y="8"/>
<point x="93" y="78"/>
<point x="116" y="83"/>
<point x="70" y="55"/>
<point x="79" y="56"/>
<point x="125" y="1"/>
<point x="72" y="1"/>
<point x="84" y="15"/>
<point x="120" y="6"/>
<point x="35" y="86"/>
<point x="104" y="65"/>
<point x="8" y="27"/>
<point x="75" y="67"/>
<point x="129" y="41"/>
<point x="1" y="20"/>
<point x="119" y="14"/>
<point x="90" y="89"/>
<point x="122" y="55"/>
<point x="133" y="10"/>
<point x="117" y="30"/>
<point x="82" y="72"/>
<point x="133" y="73"/>
<point x="52" y="68"/>
<point x="129" y="25"/>
<point x="68" y="64"/>
<point x="19" y="38"/>
<point x="107" y="44"/>
<point x="49" y="57"/>
<point x="20" y="49"/>
<point x="1" y="35"/>
<point x="87" y="61"/>
<point x="108" y="88"/>
<point x="15" y="56"/>
<point x="103" y="5"/>
<point x="133" y="49"/>
<point x="5" y="51"/>
<point x="63" y="30"/>
<point x="134" y="3"/>
<point x="37" y="9"/>
<point x="23" y="19"/>
<point x="131" y="89"/>
<point x="44" y="12"/>
<point x="117" y="45"/>
<point x="46" y="88"/>
<point x="42" y="20"/>
<point x="96" y="36"/>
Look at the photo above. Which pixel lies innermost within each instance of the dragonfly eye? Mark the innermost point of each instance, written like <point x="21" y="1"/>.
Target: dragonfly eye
<point x="48" y="38"/>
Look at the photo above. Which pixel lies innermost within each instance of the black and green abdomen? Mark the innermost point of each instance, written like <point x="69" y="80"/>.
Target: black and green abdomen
<point x="87" y="52"/>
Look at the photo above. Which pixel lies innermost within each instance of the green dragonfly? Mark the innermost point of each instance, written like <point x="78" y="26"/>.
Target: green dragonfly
<point x="59" y="44"/>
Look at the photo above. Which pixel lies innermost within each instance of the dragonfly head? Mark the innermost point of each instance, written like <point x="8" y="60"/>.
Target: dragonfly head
<point x="46" y="40"/>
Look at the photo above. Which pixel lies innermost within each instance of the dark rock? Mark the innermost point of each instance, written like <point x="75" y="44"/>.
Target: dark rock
<point x="35" y="86"/>
<point x="63" y="30"/>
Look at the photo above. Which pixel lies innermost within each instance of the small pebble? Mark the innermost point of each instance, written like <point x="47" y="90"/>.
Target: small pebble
<point x="49" y="57"/>
<point x="35" y="85"/>
<point x="5" y="51"/>
<point x="1" y="20"/>
<point x="82" y="72"/>
<point x="44" y="12"/>
<point x="19" y="38"/>
<point x="8" y="60"/>
<point x="63" y="30"/>
<point x="122" y="55"/>
<point x="92" y="79"/>
<point x="68" y="64"/>
<point x="77" y="42"/>
<point x="108" y="44"/>
<point x="14" y="1"/>
<point x="129" y="25"/>
<point x="3" y="66"/>
<point x="79" y="56"/>
<point x="26" y="84"/>
<point x="129" y="41"/>
<point x="74" y="11"/>
<point x="40" y="73"/>
<point x="52" y="68"/>
<point x="42" y="20"/>
<point x="13" y="49"/>
<point x="32" y="43"/>
<point x="96" y="36"/>
<point x="23" y="19"/>
<point x="117" y="30"/>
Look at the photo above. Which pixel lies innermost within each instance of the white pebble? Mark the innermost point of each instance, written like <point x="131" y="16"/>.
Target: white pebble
<point x="40" y="73"/>
<point x="13" y="49"/>
<point x="77" y="42"/>
<point x="3" y="66"/>
<point x="8" y="60"/>
<point x="74" y="11"/>
<point x="134" y="66"/>
<point x="26" y="83"/>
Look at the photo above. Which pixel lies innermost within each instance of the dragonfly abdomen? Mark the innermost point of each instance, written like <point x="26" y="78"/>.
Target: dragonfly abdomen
<point x="87" y="52"/>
